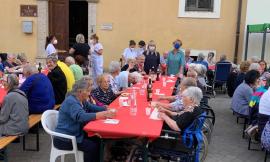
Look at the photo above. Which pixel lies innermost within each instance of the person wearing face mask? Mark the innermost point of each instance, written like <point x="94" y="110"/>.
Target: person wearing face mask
<point x="152" y="58"/>
<point x="96" y="57"/>
<point x="129" y="52"/>
<point x="176" y="59"/>
<point x="142" y="47"/>
<point x="51" y="41"/>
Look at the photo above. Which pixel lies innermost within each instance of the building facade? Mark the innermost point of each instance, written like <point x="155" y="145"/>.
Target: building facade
<point x="211" y="26"/>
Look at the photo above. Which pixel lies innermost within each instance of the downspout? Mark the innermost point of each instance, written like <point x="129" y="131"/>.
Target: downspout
<point x="237" y="31"/>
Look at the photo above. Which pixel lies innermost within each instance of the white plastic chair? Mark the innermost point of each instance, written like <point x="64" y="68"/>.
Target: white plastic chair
<point x="49" y="120"/>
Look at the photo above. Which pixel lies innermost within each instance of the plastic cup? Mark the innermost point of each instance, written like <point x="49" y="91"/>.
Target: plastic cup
<point x="148" y="111"/>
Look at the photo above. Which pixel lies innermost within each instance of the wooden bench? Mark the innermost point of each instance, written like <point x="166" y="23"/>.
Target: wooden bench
<point x="33" y="122"/>
<point x="4" y="142"/>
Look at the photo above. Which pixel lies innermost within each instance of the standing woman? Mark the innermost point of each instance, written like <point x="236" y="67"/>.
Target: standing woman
<point x="80" y="51"/>
<point x="152" y="58"/>
<point x="51" y="41"/>
<point x="176" y="59"/>
<point x="96" y="56"/>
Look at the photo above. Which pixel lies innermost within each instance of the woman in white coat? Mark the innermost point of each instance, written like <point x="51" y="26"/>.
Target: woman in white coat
<point x="96" y="56"/>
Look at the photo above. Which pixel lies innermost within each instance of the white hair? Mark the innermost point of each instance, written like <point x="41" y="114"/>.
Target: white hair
<point x="114" y="67"/>
<point x="30" y="69"/>
<point x="201" y="57"/>
<point x="70" y="60"/>
<point x="137" y="76"/>
<point x="200" y="69"/>
<point x="254" y="59"/>
<point x="254" y="66"/>
<point x="194" y="93"/>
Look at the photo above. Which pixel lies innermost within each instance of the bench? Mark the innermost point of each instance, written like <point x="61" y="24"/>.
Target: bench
<point x="34" y="120"/>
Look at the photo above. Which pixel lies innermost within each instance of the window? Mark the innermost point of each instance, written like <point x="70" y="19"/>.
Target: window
<point x="199" y="5"/>
<point x="199" y="8"/>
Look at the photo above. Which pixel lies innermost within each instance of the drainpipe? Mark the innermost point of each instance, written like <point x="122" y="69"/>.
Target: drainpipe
<point x="237" y="31"/>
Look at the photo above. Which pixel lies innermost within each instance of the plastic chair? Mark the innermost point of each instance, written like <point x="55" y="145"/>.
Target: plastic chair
<point x="49" y="120"/>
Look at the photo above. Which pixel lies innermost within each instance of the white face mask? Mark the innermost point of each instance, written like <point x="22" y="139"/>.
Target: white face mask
<point x="91" y="41"/>
<point x="152" y="48"/>
<point x="55" y="41"/>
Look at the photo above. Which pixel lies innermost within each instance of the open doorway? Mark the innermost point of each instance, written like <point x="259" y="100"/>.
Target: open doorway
<point x="78" y="20"/>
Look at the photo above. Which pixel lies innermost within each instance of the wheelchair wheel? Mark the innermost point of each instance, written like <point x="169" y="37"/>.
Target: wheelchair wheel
<point x="207" y="129"/>
<point x="204" y="149"/>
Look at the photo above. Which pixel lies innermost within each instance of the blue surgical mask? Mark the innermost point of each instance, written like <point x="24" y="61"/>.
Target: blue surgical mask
<point x="177" y="45"/>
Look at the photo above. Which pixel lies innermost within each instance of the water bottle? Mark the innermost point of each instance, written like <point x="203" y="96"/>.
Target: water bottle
<point x="133" y="103"/>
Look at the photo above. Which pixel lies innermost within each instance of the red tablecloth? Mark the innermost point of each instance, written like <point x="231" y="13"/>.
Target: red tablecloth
<point x="131" y="126"/>
<point x="3" y="93"/>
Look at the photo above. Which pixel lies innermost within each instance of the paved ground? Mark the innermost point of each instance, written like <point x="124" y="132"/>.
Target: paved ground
<point x="226" y="145"/>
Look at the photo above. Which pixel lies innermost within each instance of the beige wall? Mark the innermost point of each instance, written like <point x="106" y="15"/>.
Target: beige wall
<point x="157" y="20"/>
<point x="13" y="40"/>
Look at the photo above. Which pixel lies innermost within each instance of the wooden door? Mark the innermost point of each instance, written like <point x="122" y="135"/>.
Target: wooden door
<point x="59" y="22"/>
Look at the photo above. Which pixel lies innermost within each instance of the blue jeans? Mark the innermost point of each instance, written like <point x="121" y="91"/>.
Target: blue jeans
<point x="89" y="147"/>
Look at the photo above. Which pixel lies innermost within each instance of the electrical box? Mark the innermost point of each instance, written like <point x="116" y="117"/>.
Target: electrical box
<point x="27" y="27"/>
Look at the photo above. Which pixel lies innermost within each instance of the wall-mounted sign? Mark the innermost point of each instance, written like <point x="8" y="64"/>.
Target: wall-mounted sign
<point x="28" y="10"/>
<point x="107" y="26"/>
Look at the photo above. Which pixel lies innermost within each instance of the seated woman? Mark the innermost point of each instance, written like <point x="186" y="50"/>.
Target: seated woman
<point x="125" y="79"/>
<point x="178" y="121"/>
<point x="57" y="78"/>
<point x="74" y="113"/>
<point x="103" y="93"/>
<point x="264" y="111"/>
<point x="130" y="65"/>
<point x="14" y="109"/>
<point x="243" y="93"/>
<point x="177" y="104"/>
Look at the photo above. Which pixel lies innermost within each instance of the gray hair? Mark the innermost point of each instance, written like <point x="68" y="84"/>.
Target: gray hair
<point x="194" y="93"/>
<point x="70" y="60"/>
<point x="254" y="66"/>
<point x="30" y="69"/>
<point x="201" y="57"/>
<point x="53" y="58"/>
<point x="223" y="57"/>
<point x="114" y="67"/>
<point x="254" y="59"/>
<point x="12" y="81"/>
<point x="189" y="82"/>
<point x="200" y="69"/>
<point x="10" y="55"/>
<point x="78" y="86"/>
<point x="80" y="38"/>
<point x="140" y="57"/>
<point x="137" y="76"/>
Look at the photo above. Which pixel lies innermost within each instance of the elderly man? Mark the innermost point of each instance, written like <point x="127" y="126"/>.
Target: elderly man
<point x="57" y="78"/>
<point x="76" y="69"/>
<point x="188" y="59"/>
<point x="177" y="104"/>
<point x="200" y="60"/>
<point x="38" y="89"/>
<point x="103" y="93"/>
<point x="125" y="79"/>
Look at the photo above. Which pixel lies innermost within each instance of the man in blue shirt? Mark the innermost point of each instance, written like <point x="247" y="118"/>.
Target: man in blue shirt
<point x="38" y="89"/>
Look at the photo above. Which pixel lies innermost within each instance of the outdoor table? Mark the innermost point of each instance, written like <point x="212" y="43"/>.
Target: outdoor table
<point x="139" y="125"/>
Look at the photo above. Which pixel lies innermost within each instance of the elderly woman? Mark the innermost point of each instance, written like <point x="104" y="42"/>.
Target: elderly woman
<point x="177" y="104"/>
<point x="176" y="59"/>
<point x="152" y="58"/>
<point x="14" y="109"/>
<point x="243" y="93"/>
<point x="76" y="69"/>
<point x="74" y="113"/>
<point x="114" y="70"/>
<point x="126" y="79"/>
<point x="130" y="65"/>
<point x="104" y="93"/>
<point x="57" y="78"/>
<point x="200" y="60"/>
<point x="178" y="121"/>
